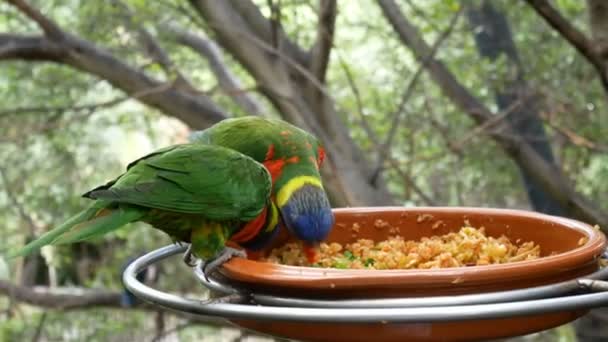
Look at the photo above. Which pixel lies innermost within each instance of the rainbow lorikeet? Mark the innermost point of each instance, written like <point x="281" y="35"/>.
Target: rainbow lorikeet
<point x="293" y="157"/>
<point x="208" y="194"/>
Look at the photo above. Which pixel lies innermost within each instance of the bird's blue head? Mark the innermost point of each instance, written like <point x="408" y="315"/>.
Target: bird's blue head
<point x="305" y="209"/>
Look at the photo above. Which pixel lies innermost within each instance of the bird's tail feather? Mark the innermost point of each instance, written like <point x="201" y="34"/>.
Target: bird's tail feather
<point x="100" y="225"/>
<point x="80" y="227"/>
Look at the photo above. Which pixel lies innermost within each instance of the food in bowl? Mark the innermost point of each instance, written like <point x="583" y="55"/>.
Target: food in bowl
<point x="468" y="247"/>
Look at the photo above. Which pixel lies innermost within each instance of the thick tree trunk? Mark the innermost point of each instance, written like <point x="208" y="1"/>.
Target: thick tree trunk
<point x="284" y="75"/>
<point x="493" y="39"/>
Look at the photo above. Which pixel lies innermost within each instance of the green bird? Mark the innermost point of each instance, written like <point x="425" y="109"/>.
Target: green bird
<point x="211" y="191"/>
<point x="195" y="193"/>
<point x="293" y="158"/>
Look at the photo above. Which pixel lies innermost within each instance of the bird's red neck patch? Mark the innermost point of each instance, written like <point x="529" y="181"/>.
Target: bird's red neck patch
<point x="251" y="229"/>
<point x="275" y="166"/>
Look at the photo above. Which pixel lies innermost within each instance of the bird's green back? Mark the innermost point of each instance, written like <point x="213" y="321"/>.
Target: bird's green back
<point x="212" y="181"/>
<point x="267" y="140"/>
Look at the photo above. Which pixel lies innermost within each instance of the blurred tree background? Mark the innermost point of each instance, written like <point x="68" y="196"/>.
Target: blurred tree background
<point x="460" y="103"/>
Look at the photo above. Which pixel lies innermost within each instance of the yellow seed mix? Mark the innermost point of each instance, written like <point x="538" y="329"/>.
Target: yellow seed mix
<point x="467" y="247"/>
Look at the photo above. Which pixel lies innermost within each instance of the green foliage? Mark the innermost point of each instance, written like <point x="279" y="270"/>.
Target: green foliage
<point x="52" y="149"/>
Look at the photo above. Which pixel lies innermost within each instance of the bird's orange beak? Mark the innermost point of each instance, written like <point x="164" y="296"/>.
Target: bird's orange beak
<point x="310" y="252"/>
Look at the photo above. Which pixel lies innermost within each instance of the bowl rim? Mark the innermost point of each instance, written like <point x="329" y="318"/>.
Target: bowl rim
<point x="263" y="273"/>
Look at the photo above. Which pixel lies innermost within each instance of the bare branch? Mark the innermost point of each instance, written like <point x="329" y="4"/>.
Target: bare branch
<point x="50" y="28"/>
<point x="319" y="60"/>
<point x="376" y="142"/>
<point x="262" y="28"/>
<point x="351" y="82"/>
<point x="419" y="12"/>
<point x="29" y="48"/>
<point x="174" y="330"/>
<point x="409" y="181"/>
<point x="148" y="42"/>
<point x="61" y="298"/>
<point x="87" y="107"/>
<point x="39" y="327"/>
<point x="438" y="71"/>
<point x="574" y="36"/>
<point x="77" y="298"/>
<point x="574" y="138"/>
<point x="275" y="22"/>
<point x="34" y="227"/>
<point x="196" y="110"/>
<point x="54" y="121"/>
<point x="153" y="48"/>
<point x="228" y="81"/>
<point x="324" y="41"/>
<point x="385" y="148"/>
<point x="597" y="11"/>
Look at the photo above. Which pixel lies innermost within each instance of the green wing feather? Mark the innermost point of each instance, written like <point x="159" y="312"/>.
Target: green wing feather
<point x="215" y="182"/>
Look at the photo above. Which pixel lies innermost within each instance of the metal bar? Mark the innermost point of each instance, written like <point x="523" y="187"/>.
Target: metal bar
<point x="212" y="284"/>
<point x="350" y="315"/>
<point x="546" y="291"/>
<point x="593" y="285"/>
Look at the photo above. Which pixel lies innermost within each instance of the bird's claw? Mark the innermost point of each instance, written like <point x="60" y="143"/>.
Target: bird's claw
<point x="188" y="257"/>
<point x="229" y="299"/>
<point x="211" y="265"/>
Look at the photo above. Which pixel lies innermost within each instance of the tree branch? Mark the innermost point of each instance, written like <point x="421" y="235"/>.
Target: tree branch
<point x="262" y="28"/>
<point x="409" y="90"/>
<point x="284" y="80"/>
<point x="597" y="11"/>
<point x="39" y="327"/>
<point x="36" y="48"/>
<point x="353" y="86"/>
<point x="50" y="29"/>
<point x="61" y="298"/>
<point x="78" y="108"/>
<point x="438" y="71"/>
<point x="196" y="110"/>
<point x="76" y="298"/>
<point x="575" y="37"/>
<point x="153" y="48"/>
<point x="324" y="41"/>
<point x="228" y="81"/>
<point x="161" y="336"/>
<point x="549" y="178"/>
<point x="574" y="138"/>
<point x="34" y="227"/>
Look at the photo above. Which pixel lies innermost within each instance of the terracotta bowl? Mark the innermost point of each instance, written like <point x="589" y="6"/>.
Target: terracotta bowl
<point x="569" y="248"/>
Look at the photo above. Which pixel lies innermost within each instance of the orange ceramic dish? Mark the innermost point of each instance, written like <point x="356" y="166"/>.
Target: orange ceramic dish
<point x="575" y="247"/>
<point x="569" y="248"/>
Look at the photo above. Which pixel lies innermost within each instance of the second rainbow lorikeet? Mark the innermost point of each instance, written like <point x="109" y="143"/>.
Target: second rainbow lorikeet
<point x="293" y="158"/>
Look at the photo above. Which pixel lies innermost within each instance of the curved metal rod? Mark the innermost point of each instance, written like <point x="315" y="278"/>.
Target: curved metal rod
<point x="349" y="315"/>
<point x="213" y="284"/>
<point x="546" y="291"/>
<point x="539" y="292"/>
